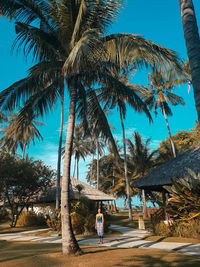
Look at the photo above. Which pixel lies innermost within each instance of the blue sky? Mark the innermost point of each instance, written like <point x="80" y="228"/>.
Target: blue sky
<point x="156" y="20"/>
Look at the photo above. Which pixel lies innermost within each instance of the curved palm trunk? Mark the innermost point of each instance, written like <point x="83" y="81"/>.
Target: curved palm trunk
<point x="24" y="149"/>
<point x="74" y="166"/>
<point x="192" y="40"/>
<point x="59" y="154"/>
<point x="170" y="136"/>
<point x="144" y="204"/>
<point x="77" y="171"/>
<point x="69" y="243"/>
<point x="125" y="170"/>
<point x="97" y="144"/>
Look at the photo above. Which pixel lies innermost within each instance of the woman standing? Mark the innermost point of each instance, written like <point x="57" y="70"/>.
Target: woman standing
<point x="99" y="225"/>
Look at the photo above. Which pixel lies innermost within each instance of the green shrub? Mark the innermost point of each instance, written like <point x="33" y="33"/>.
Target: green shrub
<point x="4" y="215"/>
<point x="55" y="222"/>
<point x="78" y="222"/>
<point x="30" y="218"/>
<point x="83" y="216"/>
<point x="163" y="229"/>
<point x="189" y="229"/>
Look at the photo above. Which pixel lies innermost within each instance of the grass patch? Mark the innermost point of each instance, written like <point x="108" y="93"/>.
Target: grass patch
<point x="122" y="219"/>
<point x="25" y="254"/>
<point x="6" y="229"/>
<point x="155" y="238"/>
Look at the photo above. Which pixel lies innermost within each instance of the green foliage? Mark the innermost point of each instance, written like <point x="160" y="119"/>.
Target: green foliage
<point x="184" y="140"/>
<point x="4" y="215"/>
<point x="83" y="216"/>
<point x="183" y="208"/>
<point x="162" y="229"/>
<point x="55" y="222"/>
<point x="20" y="181"/>
<point x="184" y="204"/>
<point x="190" y="229"/>
<point x="30" y="218"/>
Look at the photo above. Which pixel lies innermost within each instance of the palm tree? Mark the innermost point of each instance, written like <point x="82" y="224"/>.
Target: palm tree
<point x="17" y="133"/>
<point x="118" y="98"/>
<point x="75" y="30"/>
<point x="81" y="147"/>
<point x="159" y="96"/>
<point x="192" y="40"/>
<point x="142" y="159"/>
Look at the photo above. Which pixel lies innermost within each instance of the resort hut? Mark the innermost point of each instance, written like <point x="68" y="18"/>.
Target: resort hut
<point x="172" y="169"/>
<point x="79" y="189"/>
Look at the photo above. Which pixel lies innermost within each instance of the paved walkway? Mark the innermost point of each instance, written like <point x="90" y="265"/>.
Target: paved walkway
<point x="130" y="238"/>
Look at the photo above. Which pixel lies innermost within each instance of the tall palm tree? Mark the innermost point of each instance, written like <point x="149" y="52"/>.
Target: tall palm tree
<point x="159" y="95"/>
<point x="192" y="40"/>
<point x="142" y="159"/>
<point x="118" y="98"/>
<point x="76" y="29"/>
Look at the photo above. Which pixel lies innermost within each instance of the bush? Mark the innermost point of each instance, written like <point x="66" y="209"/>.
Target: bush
<point x="30" y="218"/>
<point x="78" y="222"/>
<point x="189" y="229"/>
<point x="83" y="216"/>
<point x="163" y="229"/>
<point x="54" y="222"/>
<point x="4" y="215"/>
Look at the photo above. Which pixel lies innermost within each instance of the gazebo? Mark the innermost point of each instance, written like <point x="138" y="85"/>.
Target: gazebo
<point x="78" y="189"/>
<point x="172" y="169"/>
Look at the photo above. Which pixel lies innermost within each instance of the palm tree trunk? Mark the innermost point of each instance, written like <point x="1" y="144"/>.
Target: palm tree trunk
<point x="97" y="144"/>
<point x="192" y="41"/>
<point x="77" y="171"/>
<point x="24" y="149"/>
<point x="59" y="154"/>
<point x="170" y="136"/>
<point x="74" y="166"/>
<point x="69" y="244"/>
<point x="125" y="170"/>
<point x="144" y="204"/>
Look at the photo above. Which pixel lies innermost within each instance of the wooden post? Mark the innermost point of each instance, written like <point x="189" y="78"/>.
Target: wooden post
<point x="141" y="225"/>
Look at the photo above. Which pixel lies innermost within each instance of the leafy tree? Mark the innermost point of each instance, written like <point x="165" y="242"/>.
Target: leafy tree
<point x="21" y="180"/>
<point x="192" y="40"/>
<point x="184" y="140"/>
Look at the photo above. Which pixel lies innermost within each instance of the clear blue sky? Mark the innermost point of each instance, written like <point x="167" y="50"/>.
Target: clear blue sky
<point x="156" y="20"/>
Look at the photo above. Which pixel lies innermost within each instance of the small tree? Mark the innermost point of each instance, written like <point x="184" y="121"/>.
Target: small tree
<point x="21" y="180"/>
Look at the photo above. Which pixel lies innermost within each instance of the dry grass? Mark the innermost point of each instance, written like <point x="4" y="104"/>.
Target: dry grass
<point x="5" y="228"/>
<point x="122" y="219"/>
<point x="22" y="254"/>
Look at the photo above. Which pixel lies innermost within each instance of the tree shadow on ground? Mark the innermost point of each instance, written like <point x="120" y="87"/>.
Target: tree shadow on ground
<point x="10" y="251"/>
<point x="164" y="260"/>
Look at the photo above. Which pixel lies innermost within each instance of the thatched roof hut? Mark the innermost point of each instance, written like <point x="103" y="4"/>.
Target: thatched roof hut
<point x="79" y="189"/>
<point x="172" y="169"/>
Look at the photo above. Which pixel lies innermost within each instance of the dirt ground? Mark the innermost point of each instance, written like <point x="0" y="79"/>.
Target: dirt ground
<point x="26" y="254"/>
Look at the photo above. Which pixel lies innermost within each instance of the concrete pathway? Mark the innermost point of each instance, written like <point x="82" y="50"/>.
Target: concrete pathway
<point x="130" y="238"/>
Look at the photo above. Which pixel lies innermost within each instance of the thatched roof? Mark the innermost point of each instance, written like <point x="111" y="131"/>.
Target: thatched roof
<point x="86" y="191"/>
<point x="172" y="169"/>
